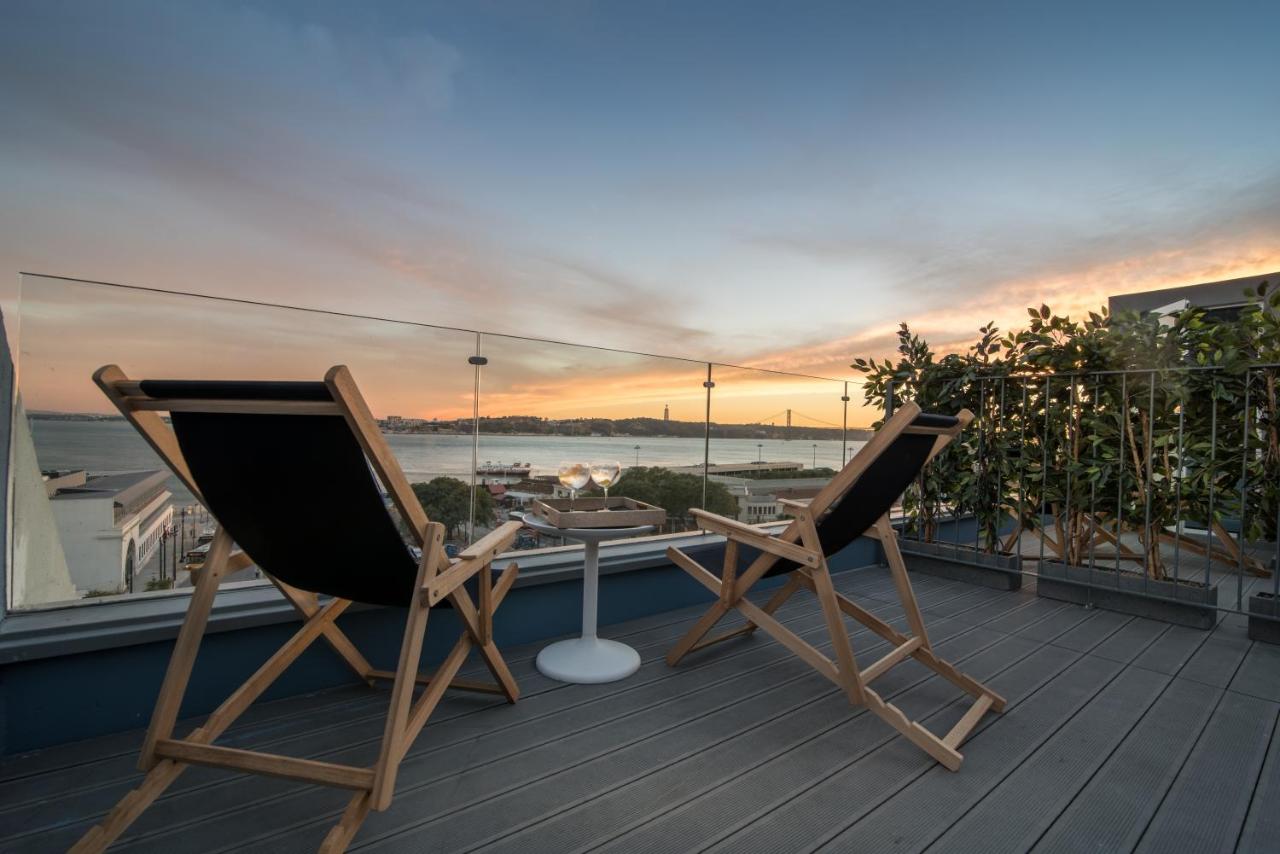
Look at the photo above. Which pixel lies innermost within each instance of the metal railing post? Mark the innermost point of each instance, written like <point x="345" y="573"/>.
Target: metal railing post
<point x="477" y="362"/>
<point x="1149" y="450"/>
<point x="706" y="437"/>
<point x="1124" y="425"/>
<point x="844" y="427"/>
<point x="1044" y="472"/>
<point x="1244" y="493"/>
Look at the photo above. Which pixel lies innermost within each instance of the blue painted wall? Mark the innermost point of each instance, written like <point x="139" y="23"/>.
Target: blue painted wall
<point x="57" y="700"/>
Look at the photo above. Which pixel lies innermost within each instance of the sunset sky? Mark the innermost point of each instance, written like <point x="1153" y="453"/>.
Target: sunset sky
<point x="765" y="184"/>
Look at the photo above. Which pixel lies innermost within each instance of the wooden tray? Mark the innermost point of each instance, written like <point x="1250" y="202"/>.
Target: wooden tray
<point x="591" y="512"/>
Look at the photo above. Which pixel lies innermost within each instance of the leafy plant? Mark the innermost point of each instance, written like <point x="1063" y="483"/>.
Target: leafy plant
<point x="1088" y="430"/>
<point x="676" y="492"/>
<point x="447" y="500"/>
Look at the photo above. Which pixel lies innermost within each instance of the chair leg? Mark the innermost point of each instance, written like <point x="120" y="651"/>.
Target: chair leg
<point x="686" y="644"/>
<point x="913" y="732"/>
<point x="501" y="673"/>
<point x="127" y="810"/>
<point x="307" y="604"/>
<point x="475" y="620"/>
<point x="779" y="598"/>
<point x="850" y="677"/>
<point x="415" y="629"/>
<point x="488" y="648"/>
<point x="341" y="834"/>
<point x="726" y="601"/>
<point x="163" y="771"/>
<point x="178" y="674"/>
<point x="898" y="569"/>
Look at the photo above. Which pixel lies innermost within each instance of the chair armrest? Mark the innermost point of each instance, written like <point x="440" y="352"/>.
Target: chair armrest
<point x="794" y="506"/>
<point x="493" y="543"/>
<point x="238" y="560"/>
<point x="744" y="533"/>
<point x="479" y="555"/>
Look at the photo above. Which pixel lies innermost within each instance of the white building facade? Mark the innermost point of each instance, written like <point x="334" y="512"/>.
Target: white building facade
<point x="110" y="527"/>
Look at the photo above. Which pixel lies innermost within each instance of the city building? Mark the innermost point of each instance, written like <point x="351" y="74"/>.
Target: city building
<point x="1224" y="299"/>
<point x="731" y="469"/>
<point x="110" y="525"/>
<point x="758" y="499"/>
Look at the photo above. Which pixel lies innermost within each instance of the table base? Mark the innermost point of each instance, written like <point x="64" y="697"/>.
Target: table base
<point x="588" y="660"/>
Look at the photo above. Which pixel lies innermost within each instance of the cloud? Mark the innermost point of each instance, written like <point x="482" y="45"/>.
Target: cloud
<point x="306" y="142"/>
<point x="1072" y="291"/>
<point x="353" y="158"/>
<point x="603" y="297"/>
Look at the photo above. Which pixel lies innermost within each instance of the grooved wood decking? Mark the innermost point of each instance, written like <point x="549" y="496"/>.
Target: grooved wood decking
<point x="1122" y="734"/>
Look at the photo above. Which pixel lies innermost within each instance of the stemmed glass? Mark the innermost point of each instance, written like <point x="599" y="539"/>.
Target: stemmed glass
<point x="574" y="476"/>
<point x="606" y="473"/>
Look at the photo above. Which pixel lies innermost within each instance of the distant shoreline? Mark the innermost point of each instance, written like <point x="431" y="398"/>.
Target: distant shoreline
<point x="857" y="434"/>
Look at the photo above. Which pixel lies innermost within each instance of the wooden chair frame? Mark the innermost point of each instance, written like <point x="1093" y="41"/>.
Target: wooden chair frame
<point x="164" y="757"/>
<point x="799" y="542"/>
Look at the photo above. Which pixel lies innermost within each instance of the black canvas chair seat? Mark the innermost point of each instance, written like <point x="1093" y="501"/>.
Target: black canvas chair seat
<point x="297" y="495"/>
<point x="875" y="492"/>
<point x="234" y="390"/>
<point x="856" y="503"/>
<point x="291" y="473"/>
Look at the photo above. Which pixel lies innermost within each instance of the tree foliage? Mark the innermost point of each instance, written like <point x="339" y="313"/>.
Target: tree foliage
<point x="676" y="492"/>
<point x="447" y="500"/>
<point x="1088" y="428"/>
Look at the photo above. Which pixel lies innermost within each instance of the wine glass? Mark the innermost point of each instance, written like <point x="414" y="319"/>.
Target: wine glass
<point x="606" y="473"/>
<point x="574" y="476"/>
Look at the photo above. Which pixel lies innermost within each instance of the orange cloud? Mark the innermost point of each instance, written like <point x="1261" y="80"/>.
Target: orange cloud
<point x="67" y="330"/>
<point x="1075" y="292"/>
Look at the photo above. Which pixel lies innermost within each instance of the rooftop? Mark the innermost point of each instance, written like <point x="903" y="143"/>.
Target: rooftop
<point x="1208" y="295"/>
<point x="126" y="488"/>
<point x="1121" y="734"/>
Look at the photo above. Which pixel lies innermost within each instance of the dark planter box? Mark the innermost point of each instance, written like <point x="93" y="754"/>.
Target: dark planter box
<point x="960" y="563"/>
<point x="1261" y="607"/>
<point x="1182" y="604"/>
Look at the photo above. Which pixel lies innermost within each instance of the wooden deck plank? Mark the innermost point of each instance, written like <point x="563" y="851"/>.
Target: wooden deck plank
<point x="913" y="816"/>
<point x="735" y="781"/>
<point x="1262" y="827"/>
<point x="29" y="766"/>
<point x="1022" y="805"/>
<point x="1259" y="673"/>
<point x="250" y="797"/>
<point x="100" y="780"/>
<point x="744" y="748"/>
<point x="801" y="822"/>
<point x="768" y="754"/>
<point x="420" y="799"/>
<point x="1112" y="810"/>
<point x="1207" y="805"/>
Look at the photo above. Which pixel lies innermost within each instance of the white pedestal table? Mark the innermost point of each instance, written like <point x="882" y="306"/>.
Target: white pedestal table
<point x="589" y="658"/>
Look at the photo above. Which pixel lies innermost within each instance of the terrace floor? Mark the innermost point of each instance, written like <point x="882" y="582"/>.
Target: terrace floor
<point x="1121" y="734"/>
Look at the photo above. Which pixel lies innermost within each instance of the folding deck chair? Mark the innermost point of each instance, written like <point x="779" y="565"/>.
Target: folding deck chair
<point x="249" y="451"/>
<point x="855" y="503"/>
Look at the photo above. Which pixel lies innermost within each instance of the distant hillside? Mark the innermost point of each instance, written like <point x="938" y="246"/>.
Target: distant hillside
<point x="533" y="425"/>
<point x="638" y="427"/>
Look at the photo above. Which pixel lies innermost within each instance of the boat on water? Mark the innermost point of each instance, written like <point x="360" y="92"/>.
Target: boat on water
<point x="499" y="469"/>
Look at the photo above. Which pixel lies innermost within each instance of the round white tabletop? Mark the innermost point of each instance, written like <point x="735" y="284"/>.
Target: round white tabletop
<point x="588" y="658"/>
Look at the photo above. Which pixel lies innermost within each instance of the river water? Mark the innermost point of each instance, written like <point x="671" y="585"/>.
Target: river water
<point x="113" y="446"/>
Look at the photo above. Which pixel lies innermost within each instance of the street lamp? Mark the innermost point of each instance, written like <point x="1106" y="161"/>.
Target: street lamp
<point x="637" y="455"/>
<point x="759" y="452"/>
<point x="815" y="455"/>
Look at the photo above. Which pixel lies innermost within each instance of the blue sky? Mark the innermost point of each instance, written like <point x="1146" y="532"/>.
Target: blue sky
<point x="775" y="183"/>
